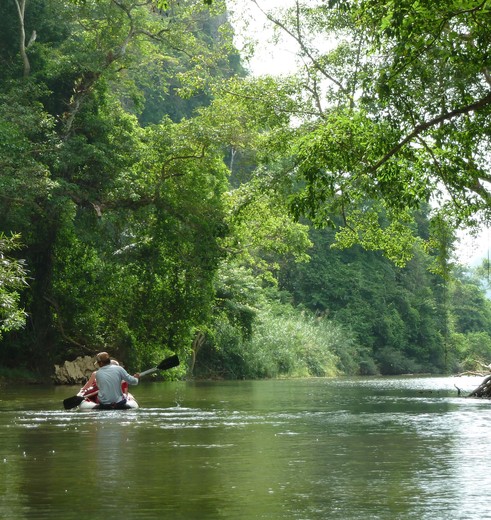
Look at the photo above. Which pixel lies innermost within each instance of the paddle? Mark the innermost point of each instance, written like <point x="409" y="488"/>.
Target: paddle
<point x="170" y="362"/>
<point x="74" y="401"/>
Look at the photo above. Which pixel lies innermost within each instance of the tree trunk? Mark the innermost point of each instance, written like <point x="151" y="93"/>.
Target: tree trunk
<point x="21" y="7"/>
<point x="198" y="341"/>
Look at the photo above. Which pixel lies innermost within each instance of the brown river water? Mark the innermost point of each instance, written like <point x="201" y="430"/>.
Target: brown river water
<point x="348" y="449"/>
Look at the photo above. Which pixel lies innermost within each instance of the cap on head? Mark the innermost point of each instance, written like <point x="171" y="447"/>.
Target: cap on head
<point x="103" y="358"/>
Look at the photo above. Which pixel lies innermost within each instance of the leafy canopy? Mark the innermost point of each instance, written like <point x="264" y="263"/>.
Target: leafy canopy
<point x="393" y="104"/>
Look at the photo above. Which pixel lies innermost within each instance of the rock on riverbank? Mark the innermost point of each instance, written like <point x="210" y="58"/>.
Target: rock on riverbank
<point x="74" y="372"/>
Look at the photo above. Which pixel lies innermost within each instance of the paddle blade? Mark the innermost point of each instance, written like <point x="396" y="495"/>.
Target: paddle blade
<point x="72" y="402"/>
<point x="169" y="362"/>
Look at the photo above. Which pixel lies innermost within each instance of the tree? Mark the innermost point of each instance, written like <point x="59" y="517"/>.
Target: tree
<point x="364" y="135"/>
<point x="121" y="224"/>
<point x="395" y="314"/>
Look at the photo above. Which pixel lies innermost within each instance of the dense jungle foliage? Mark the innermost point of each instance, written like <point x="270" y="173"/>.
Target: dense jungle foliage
<point x="156" y="198"/>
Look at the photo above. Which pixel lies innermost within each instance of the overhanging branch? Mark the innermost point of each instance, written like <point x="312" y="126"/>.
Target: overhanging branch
<point x="419" y="129"/>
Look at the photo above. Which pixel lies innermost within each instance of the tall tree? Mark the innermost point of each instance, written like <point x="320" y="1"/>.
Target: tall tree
<point x="395" y="107"/>
<point x="120" y="224"/>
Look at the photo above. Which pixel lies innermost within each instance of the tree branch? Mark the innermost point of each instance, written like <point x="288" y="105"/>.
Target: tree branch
<point x="299" y="39"/>
<point x="164" y="169"/>
<point x="419" y="129"/>
<point x="59" y="323"/>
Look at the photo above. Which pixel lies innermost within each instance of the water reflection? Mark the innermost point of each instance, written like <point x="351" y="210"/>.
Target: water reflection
<point x="304" y="449"/>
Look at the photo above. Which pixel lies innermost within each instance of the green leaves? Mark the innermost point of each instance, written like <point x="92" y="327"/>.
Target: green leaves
<point x="393" y="113"/>
<point x="262" y="233"/>
<point x="13" y="278"/>
<point x="395" y="239"/>
<point x="166" y="4"/>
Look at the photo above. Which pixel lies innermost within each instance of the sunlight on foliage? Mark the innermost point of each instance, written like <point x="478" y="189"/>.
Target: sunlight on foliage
<point x="13" y="278"/>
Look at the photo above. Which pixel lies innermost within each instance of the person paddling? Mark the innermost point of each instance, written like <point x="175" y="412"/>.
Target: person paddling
<point x="109" y="378"/>
<point x="91" y="385"/>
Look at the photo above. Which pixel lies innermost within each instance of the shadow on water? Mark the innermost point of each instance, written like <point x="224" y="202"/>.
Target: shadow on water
<point x="347" y="449"/>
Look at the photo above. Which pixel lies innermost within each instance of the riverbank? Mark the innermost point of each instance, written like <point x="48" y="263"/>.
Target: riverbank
<point x="22" y="376"/>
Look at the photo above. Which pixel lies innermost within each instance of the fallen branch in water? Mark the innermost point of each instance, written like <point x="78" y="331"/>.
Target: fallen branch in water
<point x="483" y="390"/>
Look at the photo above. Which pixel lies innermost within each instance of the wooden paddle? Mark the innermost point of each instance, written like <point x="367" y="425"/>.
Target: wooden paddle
<point x="170" y="362"/>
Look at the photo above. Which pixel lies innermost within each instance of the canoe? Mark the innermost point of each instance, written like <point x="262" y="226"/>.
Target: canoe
<point x="89" y="404"/>
<point x="91" y="401"/>
<point x="87" y="399"/>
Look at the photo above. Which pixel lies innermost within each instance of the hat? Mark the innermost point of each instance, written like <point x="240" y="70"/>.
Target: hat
<point x="103" y="358"/>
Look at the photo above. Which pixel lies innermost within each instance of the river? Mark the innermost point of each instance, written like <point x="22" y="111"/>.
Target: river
<point x="347" y="448"/>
